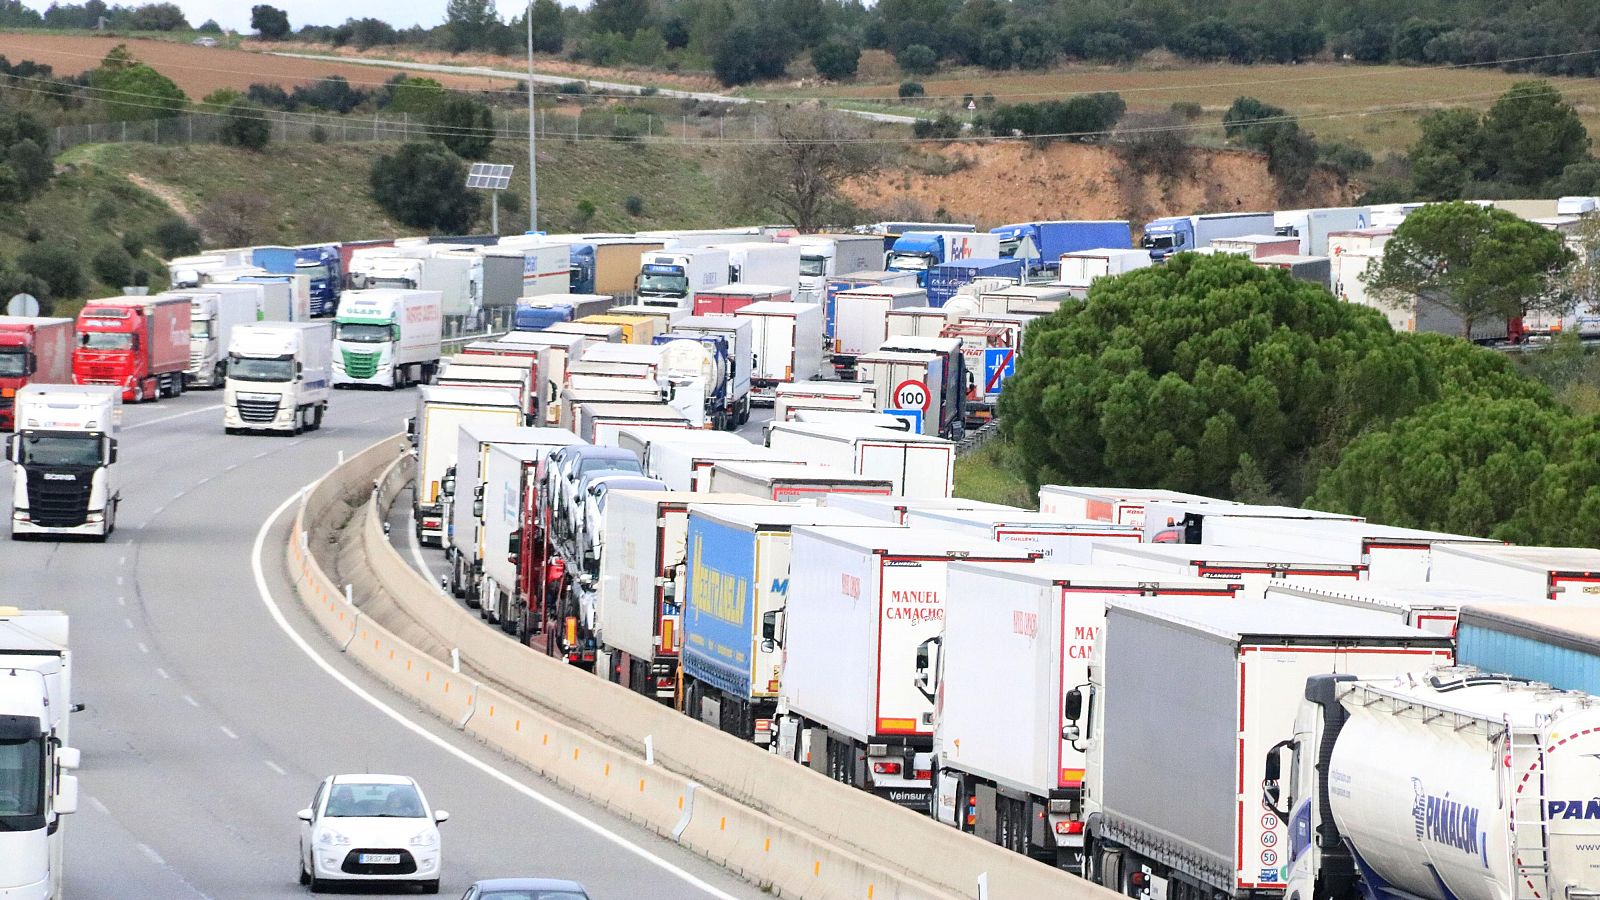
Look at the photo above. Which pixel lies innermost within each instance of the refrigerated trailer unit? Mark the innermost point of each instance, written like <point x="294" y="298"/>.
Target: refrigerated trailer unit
<point x="1256" y="567"/>
<point x="1052" y="537"/>
<point x="1179" y="802"/>
<point x="463" y="525"/>
<point x="788" y="481"/>
<point x="865" y="612"/>
<point x="1119" y="506"/>
<point x="893" y="510"/>
<point x="441" y="411"/>
<point x="1529" y="572"/>
<point x="1016" y="640"/>
<point x="786" y="342"/>
<point x="684" y="461"/>
<point x="1392" y="555"/>
<point x="734" y="587"/>
<point x="918" y="465"/>
<point x="510" y="485"/>
<point x="643" y="585"/>
<point x="1431" y="607"/>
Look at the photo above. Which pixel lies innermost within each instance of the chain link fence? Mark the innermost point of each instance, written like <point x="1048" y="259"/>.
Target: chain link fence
<point x="511" y="125"/>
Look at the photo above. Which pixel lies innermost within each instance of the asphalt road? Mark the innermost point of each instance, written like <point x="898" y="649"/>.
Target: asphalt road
<point x="208" y="724"/>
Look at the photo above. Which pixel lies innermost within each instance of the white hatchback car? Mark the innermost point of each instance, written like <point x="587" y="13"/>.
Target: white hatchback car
<point x="370" y="828"/>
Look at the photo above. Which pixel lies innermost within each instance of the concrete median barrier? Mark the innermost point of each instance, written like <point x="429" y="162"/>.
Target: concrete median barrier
<point x="778" y="824"/>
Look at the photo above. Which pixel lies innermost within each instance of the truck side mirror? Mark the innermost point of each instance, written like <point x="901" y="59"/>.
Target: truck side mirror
<point x="477" y="509"/>
<point x="33" y="362"/>
<point x="928" y="666"/>
<point x="772" y="627"/>
<point x="66" y="801"/>
<point x="1271" y="783"/>
<point x="13" y="448"/>
<point x="1072" y="708"/>
<point x="514" y="547"/>
<point x="477" y="493"/>
<point x="111" y="452"/>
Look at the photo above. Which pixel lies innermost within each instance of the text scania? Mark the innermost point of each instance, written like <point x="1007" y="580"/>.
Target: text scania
<point x="1452" y="824"/>
<point x="715" y="593"/>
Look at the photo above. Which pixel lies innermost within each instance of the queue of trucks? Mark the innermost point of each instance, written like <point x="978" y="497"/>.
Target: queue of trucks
<point x="821" y="595"/>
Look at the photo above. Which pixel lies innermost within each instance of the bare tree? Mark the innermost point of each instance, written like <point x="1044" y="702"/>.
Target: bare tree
<point x="237" y="218"/>
<point x="800" y="158"/>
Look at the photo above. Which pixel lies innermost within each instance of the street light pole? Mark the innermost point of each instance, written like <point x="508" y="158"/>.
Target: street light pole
<point x="533" y="157"/>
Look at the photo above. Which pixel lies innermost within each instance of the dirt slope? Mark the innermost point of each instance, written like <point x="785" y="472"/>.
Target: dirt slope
<point x="1016" y="182"/>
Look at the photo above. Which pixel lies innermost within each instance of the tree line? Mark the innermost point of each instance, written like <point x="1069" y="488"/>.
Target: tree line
<point x="744" y="40"/>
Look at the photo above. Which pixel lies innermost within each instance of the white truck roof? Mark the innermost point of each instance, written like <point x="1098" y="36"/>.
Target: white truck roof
<point x="1249" y="619"/>
<point x="1533" y="559"/>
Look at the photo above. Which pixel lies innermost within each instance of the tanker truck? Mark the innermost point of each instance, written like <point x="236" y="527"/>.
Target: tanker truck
<point x="1451" y="784"/>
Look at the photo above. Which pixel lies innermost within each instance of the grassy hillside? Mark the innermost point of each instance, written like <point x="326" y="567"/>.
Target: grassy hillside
<point x="319" y="191"/>
<point x="106" y="193"/>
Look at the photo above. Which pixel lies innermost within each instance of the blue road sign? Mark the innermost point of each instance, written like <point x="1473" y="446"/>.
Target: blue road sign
<point x="999" y="363"/>
<point x="914" y="416"/>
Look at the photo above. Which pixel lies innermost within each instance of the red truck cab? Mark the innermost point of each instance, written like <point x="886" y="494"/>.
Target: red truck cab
<point x="140" y="344"/>
<point x="33" y="350"/>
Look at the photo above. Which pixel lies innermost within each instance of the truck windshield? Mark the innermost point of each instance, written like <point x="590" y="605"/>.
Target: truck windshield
<point x="315" y="273"/>
<point x="814" y="266"/>
<point x="106" y="340"/>
<point x="21" y="782"/>
<point x="1008" y="248"/>
<point x="200" y="329"/>
<point x="60" y="449"/>
<point x="13" y="362"/>
<point x="1158" y="242"/>
<point x="257" y="368"/>
<point x="659" y="285"/>
<point x="363" y="333"/>
<point x="908" y="262"/>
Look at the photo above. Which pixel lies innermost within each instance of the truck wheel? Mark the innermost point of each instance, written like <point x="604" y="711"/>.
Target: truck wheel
<point x="316" y="418"/>
<point x="219" y="374"/>
<point x="138" y="392"/>
<point x="299" y="421"/>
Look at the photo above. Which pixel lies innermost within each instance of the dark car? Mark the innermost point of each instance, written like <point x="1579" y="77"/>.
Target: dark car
<point x="525" y="889"/>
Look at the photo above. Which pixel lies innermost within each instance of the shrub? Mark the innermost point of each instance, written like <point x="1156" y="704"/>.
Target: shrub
<point x="634" y="206"/>
<point x="424" y="186"/>
<point x="246" y="127"/>
<point x="917" y="59"/>
<point x="112" y="267"/>
<point x="1188" y="109"/>
<point x="56" y="265"/>
<point x="176" y="237"/>
<point x="909" y="89"/>
<point x="464" y="125"/>
<point x="836" y="60"/>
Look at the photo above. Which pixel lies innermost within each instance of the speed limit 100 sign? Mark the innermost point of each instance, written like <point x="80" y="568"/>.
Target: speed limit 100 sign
<point x="911" y="395"/>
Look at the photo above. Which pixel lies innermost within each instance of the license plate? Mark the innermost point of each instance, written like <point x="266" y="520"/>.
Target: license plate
<point x="380" y="859"/>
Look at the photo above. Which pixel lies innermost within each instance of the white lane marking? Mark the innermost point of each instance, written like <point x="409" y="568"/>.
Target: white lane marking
<point x="171" y="417"/>
<point x="128" y="622"/>
<point x="98" y="806"/>
<point x="122" y="560"/>
<point x="399" y="718"/>
<point x="143" y="648"/>
<point x="122" y="601"/>
<point x="417" y="557"/>
<point x="228" y="731"/>
<point x="191" y="701"/>
<point x="162" y="672"/>
<point x="150" y="852"/>
<point x="275" y="767"/>
<point x="119" y="581"/>
<point x="231" y="467"/>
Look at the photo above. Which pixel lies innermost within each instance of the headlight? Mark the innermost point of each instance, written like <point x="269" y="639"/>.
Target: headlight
<point x="331" y="838"/>
<point x="425" y="838"/>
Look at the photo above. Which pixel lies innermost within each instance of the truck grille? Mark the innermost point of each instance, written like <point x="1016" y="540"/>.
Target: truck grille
<point x="258" y="410"/>
<point x="360" y="363"/>
<point x="57" y="502"/>
<point x="195" y="358"/>
<point x="101" y="374"/>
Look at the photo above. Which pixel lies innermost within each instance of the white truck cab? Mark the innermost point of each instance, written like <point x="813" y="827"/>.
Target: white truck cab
<point x="65" y="450"/>
<point x="279" y="377"/>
